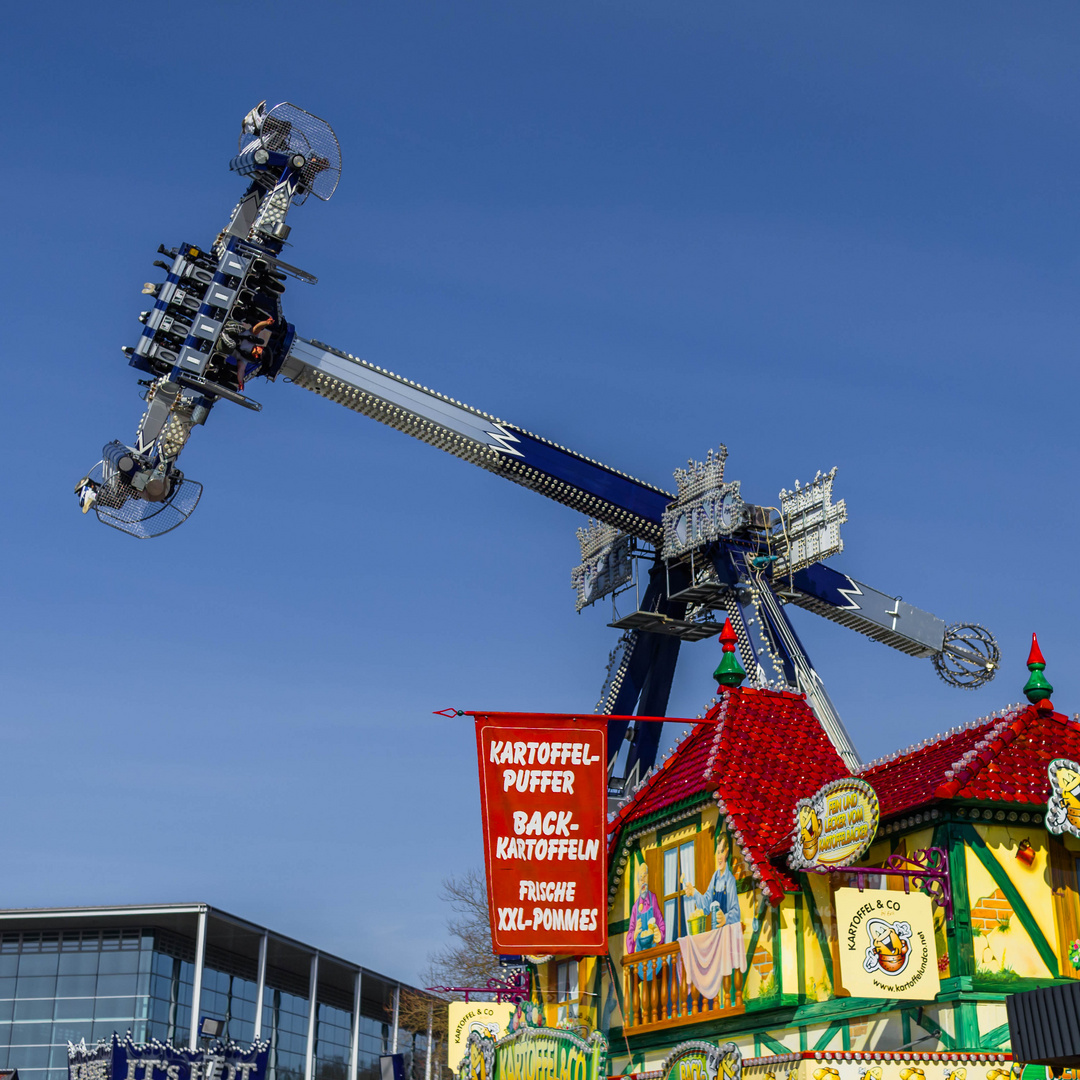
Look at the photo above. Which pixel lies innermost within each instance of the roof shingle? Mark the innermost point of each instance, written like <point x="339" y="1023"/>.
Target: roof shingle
<point x="1001" y="759"/>
<point x="760" y="751"/>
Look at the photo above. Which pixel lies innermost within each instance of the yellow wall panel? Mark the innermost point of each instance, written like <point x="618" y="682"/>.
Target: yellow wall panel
<point x="817" y="985"/>
<point x="789" y="966"/>
<point x="762" y="980"/>
<point x="1032" y="883"/>
<point x="1005" y="948"/>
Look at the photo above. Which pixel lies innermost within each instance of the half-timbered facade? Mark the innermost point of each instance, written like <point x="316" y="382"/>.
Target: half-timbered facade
<point x="713" y="937"/>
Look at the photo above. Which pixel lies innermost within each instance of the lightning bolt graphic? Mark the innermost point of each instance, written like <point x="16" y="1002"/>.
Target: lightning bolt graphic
<point x="501" y="439"/>
<point x="849" y="595"/>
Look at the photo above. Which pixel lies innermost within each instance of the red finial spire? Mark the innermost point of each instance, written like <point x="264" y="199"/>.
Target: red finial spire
<point x="730" y="672"/>
<point x="1037" y="690"/>
<point x="1035" y="656"/>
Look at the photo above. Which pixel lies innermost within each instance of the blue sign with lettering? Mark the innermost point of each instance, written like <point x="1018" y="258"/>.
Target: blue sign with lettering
<point x="122" y="1059"/>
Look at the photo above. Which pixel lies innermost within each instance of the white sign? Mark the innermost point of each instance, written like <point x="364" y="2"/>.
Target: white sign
<point x="887" y="944"/>
<point x="487" y="1017"/>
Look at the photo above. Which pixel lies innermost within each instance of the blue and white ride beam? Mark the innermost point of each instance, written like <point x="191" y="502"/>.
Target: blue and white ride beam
<point x="560" y="474"/>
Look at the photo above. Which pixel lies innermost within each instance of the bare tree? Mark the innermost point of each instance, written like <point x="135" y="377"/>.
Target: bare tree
<point x="416" y="1011"/>
<point x="466" y="959"/>
<point x="425" y="1014"/>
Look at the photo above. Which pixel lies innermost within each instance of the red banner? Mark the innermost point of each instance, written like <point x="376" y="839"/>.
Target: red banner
<point x="543" y="796"/>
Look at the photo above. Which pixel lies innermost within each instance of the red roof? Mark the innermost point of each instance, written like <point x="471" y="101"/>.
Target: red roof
<point x="760" y="751"/>
<point x="1003" y="759"/>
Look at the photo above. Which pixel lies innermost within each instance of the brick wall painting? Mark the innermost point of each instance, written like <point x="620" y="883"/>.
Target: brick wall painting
<point x="990" y="913"/>
<point x="1003" y="950"/>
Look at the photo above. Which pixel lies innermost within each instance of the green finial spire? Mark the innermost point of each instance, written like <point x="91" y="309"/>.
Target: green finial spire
<point x="1037" y="689"/>
<point x="730" y="672"/>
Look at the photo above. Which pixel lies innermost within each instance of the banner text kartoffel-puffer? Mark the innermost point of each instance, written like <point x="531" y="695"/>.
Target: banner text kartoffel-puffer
<point x="543" y="789"/>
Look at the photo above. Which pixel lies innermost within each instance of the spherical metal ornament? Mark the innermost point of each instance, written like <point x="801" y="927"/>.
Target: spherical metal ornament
<point x="974" y="659"/>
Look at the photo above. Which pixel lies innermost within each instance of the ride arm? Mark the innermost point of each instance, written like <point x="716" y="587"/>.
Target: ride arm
<point x="964" y="655"/>
<point x="634" y="507"/>
<point x="826" y="592"/>
<point x="613" y="497"/>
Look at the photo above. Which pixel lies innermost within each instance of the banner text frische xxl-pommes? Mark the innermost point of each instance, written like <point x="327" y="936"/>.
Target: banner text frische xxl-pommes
<point x="543" y="795"/>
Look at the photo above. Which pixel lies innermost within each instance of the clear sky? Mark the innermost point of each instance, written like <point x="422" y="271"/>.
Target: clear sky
<point x="825" y="234"/>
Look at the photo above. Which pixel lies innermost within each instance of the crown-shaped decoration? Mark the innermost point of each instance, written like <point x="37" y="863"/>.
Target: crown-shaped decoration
<point x="706" y="508"/>
<point x="606" y="563"/>
<point x="595" y="536"/>
<point x="702" y="476"/>
<point x="811" y="523"/>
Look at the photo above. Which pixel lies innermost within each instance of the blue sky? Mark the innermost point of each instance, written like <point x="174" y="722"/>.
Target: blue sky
<point x="838" y="234"/>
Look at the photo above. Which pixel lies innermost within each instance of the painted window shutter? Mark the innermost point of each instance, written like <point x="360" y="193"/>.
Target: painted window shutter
<point x="654" y="861"/>
<point x="704" y="858"/>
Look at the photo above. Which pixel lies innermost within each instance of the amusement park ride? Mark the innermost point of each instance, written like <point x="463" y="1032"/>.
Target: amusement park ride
<point x="216" y="323"/>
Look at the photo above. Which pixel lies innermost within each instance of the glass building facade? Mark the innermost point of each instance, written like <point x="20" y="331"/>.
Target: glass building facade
<point x="84" y="973"/>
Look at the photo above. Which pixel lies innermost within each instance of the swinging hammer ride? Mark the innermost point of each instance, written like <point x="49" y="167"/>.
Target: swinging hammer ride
<point x="705" y="552"/>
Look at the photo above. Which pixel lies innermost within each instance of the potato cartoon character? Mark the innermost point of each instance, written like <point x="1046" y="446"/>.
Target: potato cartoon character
<point x="873" y="1073"/>
<point x="809" y="832"/>
<point x="888" y="948"/>
<point x="956" y="1074"/>
<point x="1069" y="782"/>
<point x="911" y="1073"/>
<point x="826" y="1073"/>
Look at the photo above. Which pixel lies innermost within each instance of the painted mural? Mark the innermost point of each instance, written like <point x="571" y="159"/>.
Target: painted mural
<point x="647" y="927"/>
<point x="713" y="951"/>
<point x="691" y="917"/>
<point x="716" y="937"/>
